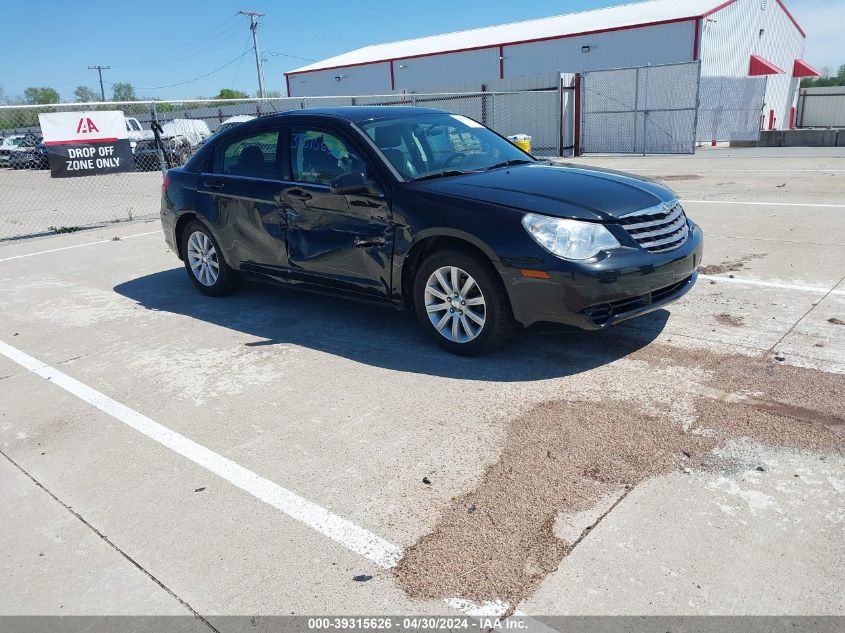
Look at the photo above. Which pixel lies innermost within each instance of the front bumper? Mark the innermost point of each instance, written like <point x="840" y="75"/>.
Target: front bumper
<point x="595" y="295"/>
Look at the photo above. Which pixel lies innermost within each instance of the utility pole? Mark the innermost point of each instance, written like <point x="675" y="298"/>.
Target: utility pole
<point x="253" y="26"/>
<point x="100" y="70"/>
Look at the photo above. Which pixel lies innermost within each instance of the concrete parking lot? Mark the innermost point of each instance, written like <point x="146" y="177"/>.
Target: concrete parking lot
<point x="274" y="452"/>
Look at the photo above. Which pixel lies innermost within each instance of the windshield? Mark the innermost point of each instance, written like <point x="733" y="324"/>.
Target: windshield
<point x="429" y="145"/>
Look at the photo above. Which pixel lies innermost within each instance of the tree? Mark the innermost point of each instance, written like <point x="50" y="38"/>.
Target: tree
<point x="826" y="79"/>
<point x="229" y="93"/>
<point x="272" y="94"/>
<point x="34" y="95"/>
<point x="3" y="99"/>
<point x="123" y="91"/>
<point x="84" y="94"/>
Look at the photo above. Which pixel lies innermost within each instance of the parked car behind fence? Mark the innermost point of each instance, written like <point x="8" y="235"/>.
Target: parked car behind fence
<point x="180" y="138"/>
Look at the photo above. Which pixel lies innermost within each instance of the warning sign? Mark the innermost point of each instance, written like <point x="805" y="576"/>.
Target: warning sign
<point x="86" y="143"/>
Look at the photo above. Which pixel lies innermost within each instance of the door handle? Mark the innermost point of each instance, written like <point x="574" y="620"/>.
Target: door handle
<point x="213" y="184"/>
<point x="299" y="194"/>
<point x="375" y="241"/>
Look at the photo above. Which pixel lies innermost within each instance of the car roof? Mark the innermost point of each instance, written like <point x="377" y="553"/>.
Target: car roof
<point x="359" y="114"/>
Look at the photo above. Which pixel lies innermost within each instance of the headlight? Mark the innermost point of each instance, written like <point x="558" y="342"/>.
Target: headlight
<point x="570" y="239"/>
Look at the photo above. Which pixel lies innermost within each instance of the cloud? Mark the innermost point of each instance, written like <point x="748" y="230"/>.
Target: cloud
<point x="822" y="20"/>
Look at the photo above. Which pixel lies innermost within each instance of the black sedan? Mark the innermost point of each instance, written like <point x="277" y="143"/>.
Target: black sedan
<point x="429" y="211"/>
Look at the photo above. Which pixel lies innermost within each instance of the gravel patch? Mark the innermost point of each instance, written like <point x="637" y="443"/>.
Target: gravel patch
<point x="678" y="177"/>
<point x="498" y="541"/>
<point x="730" y="265"/>
<point x="729" y="319"/>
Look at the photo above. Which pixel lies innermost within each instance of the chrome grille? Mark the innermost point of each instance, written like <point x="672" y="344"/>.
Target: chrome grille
<point x="658" y="229"/>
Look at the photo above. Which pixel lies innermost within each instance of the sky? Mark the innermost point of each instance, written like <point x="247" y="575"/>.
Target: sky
<point x="157" y="43"/>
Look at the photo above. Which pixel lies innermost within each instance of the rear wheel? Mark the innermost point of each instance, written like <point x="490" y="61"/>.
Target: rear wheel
<point x="461" y="303"/>
<point x="206" y="267"/>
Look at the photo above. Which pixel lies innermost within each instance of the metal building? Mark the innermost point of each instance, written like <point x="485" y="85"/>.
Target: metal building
<point x="733" y="38"/>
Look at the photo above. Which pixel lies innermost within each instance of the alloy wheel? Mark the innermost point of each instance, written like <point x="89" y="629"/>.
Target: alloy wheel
<point x="202" y="257"/>
<point x="455" y="304"/>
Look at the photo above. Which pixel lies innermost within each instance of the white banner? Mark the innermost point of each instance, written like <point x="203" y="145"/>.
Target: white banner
<point x="86" y="143"/>
<point x="82" y="127"/>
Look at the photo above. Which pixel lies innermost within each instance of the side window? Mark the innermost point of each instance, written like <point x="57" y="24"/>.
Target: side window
<point x="318" y="157"/>
<point x="252" y="155"/>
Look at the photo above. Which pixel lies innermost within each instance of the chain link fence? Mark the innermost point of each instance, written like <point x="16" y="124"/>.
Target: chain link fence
<point x="730" y="108"/>
<point x="642" y="110"/>
<point x="163" y="134"/>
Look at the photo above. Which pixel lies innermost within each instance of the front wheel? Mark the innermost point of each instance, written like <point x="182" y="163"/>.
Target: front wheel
<point x="461" y="303"/>
<point x="204" y="262"/>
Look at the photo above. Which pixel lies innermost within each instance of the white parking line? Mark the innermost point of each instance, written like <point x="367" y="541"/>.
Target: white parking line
<point x="773" y="284"/>
<point x="65" y="248"/>
<point x="769" y="204"/>
<point x="343" y="532"/>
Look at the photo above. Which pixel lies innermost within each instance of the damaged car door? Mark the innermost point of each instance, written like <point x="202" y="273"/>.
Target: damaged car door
<point x="241" y="199"/>
<point x="340" y="231"/>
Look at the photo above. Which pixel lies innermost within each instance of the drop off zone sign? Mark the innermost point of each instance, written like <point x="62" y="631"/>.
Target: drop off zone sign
<point x="86" y="143"/>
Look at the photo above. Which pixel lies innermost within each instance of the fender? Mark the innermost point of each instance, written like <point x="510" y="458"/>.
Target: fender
<point x="404" y="247"/>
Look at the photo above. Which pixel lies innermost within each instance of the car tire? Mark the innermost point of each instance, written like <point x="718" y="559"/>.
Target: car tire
<point x="474" y="317"/>
<point x="204" y="262"/>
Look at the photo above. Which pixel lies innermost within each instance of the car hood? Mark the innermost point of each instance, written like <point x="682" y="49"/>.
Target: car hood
<point x="565" y="191"/>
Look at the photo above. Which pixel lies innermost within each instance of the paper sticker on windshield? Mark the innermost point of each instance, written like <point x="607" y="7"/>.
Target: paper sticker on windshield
<point x="466" y="121"/>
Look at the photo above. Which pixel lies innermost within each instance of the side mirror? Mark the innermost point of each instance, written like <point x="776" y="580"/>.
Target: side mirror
<point x="354" y="182"/>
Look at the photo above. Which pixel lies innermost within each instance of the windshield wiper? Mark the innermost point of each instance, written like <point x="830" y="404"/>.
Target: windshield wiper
<point x="447" y="172"/>
<point x="508" y="163"/>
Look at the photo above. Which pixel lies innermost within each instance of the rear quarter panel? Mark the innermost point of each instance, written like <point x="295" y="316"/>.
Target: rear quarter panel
<point x="179" y="199"/>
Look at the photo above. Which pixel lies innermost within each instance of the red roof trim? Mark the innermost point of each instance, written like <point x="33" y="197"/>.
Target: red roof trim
<point x="719" y="8"/>
<point x="488" y="46"/>
<point x="789" y="15"/>
<point x="724" y="5"/>
<point x="696" y="44"/>
<point x="759" y="66"/>
<point x="802" y="69"/>
<point x="554" y="37"/>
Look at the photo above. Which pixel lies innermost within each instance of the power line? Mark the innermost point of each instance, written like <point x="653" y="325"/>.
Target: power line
<point x="182" y="83"/>
<point x="198" y="50"/>
<point x="240" y="63"/>
<point x="278" y="54"/>
<point x="190" y="48"/>
<point x="253" y="26"/>
<point x="212" y="43"/>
